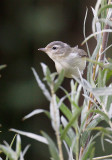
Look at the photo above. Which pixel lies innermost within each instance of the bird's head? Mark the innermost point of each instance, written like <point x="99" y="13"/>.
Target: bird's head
<point x="56" y="50"/>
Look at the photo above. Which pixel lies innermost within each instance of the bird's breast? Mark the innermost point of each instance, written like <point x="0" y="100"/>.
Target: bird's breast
<point x="70" y="66"/>
<point x="59" y="66"/>
<point x="63" y="66"/>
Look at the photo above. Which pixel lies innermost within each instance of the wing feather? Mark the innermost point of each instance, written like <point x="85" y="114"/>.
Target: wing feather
<point x="80" y="52"/>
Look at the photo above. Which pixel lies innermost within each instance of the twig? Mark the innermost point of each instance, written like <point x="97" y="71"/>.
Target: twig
<point x="103" y="157"/>
<point x="59" y="145"/>
<point x="77" y="143"/>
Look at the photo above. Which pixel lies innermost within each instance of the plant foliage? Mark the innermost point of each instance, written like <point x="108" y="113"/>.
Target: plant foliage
<point x="77" y="138"/>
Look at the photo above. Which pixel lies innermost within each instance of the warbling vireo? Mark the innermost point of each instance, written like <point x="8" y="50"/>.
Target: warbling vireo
<point x="71" y="59"/>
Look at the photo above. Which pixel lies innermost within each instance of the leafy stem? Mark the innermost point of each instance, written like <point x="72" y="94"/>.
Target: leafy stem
<point x="77" y="141"/>
<point x="59" y="143"/>
<point x="101" y="57"/>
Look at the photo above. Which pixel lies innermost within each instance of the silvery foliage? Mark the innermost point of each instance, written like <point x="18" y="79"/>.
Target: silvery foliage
<point x="11" y="154"/>
<point x="101" y="103"/>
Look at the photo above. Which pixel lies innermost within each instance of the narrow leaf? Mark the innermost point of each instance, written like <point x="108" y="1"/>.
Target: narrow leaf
<point x="3" y="66"/>
<point x="30" y="135"/>
<point x="96" y="33"/>
<point x="12" y="144"/>
<point x="9" y="152"/>
<point x="73" y="119"/>
<point x="25" y="150"/>
<point x="65" y="110"/>
<point x="54" y="113"/>
<point x="102" y="91"/>
<point x="18" y="145"/>
<point x="41" y="85"/>
<point x="70" y="133"/>
<point x="36" y="111"/>
<point x="46" y="72"/>
<point x="59" y="80"/>
<point x="104" y="8"/>
<point x="84" y="31"/>
<point x="52" y="147"/>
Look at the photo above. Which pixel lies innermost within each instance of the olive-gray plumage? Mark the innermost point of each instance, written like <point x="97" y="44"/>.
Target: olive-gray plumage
<point x="65" y="57"/>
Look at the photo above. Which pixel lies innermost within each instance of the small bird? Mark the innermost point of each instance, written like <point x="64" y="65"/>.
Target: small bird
<point x="70" y="59"/>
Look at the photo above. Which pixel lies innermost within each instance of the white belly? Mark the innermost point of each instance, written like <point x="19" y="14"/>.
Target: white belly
<point x="72" y="69"/>
<point x="65" y="67"/>
<point x="59" y="67"/>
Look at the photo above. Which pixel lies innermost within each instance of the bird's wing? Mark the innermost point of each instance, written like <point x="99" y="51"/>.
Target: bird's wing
<point x="75" y="61"/>
<point x="80" y="52"/>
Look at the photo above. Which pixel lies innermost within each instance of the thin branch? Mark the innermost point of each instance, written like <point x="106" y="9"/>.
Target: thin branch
<point x="103" y="157"/>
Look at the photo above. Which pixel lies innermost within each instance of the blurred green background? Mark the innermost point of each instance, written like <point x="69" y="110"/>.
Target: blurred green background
<point x="25" y="26"/>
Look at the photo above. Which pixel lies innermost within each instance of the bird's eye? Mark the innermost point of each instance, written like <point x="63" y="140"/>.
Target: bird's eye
<point x="54" y="48"/>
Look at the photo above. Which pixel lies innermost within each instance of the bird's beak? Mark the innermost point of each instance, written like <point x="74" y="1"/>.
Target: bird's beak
<point x="42" y="49"/>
